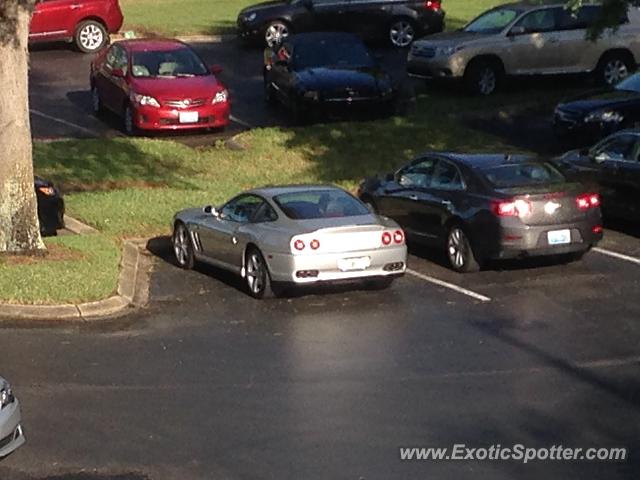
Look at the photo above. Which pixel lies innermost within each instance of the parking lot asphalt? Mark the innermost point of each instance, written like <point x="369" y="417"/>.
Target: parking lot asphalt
<point x="60" y="99"/>
<point x="208" y="383"/>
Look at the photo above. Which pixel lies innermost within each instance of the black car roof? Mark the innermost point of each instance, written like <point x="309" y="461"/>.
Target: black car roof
<point x="484" y="160"/>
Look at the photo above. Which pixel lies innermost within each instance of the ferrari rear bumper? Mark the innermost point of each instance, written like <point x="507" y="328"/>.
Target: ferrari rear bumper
<point x="311" y="268"/>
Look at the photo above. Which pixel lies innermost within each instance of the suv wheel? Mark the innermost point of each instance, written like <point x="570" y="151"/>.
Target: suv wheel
<point x="614" y="68"/>
<point x="276" y="32"/>
<point x="402" y="32"/>
<point x="482" y="77"/>
<point x="91" y="36"/>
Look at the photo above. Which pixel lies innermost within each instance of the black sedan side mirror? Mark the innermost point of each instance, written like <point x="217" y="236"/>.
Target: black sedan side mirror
<point x="390" y="177"/>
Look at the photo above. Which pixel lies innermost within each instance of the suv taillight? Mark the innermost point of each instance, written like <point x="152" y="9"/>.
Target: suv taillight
<point x="434" y="5"/>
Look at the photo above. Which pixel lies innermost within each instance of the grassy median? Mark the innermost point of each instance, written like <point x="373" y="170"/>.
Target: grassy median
<point x="173" y="17"/>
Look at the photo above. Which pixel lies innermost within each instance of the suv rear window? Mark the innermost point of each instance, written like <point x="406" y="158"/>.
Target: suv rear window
<point x="522" y="174"/>
<point x="320" y="204"/>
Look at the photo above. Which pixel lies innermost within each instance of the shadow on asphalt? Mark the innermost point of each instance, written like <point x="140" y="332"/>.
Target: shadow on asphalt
<point x="628" y="228"/>
<point x="161" y="248"/>
<point x="11" y="475"/>
<point x="437" y="256"/>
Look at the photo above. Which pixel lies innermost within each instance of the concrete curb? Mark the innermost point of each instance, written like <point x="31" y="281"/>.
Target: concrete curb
<point x="132" y="291"/>
<point x="188" y="38"/>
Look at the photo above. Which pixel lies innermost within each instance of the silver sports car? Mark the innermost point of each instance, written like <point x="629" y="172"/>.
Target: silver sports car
<point x="278" y="236"/>
<point x="11" y="436"/>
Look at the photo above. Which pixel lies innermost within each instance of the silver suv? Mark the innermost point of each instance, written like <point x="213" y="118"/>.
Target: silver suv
<point x="526" y="39"/>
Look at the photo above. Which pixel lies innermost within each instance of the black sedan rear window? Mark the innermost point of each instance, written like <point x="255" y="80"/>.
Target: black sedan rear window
<point x="522" y="174"/>
<point x="319" y="204"/>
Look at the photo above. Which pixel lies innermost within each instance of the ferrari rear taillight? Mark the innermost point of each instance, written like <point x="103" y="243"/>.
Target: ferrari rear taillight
<point x="386" y="238"/>
<point x="299" y="245"/>
<point x="398" y="237"/>
<point x="587" y="201"/>
<point x="315" y="244"/>
<point x="512" y="208"/>
<point x="434" y="5"/>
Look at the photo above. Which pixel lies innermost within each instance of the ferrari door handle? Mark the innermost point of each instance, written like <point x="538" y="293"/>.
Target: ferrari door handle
<point x="75" y="6"/>
<point x="446" y="202"/>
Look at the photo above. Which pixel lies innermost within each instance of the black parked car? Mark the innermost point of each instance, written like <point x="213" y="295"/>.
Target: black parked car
<point x="614" y="165"/>
<point x="50" y="207"/>
<point x="481" y="207"/>
<point x="401" y="21"/>
<point x="600" y="113"/>
<point x="315" y="73"/>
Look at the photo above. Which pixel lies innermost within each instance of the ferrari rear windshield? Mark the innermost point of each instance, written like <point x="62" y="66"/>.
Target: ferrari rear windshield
<point x="181" y="62"/>
<point x="313" y="204"/>
<point x="522" y="174"/>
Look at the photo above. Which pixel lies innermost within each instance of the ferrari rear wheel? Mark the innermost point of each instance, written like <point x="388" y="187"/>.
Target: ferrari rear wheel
<point x="257" y="274"/>
<point x="182" y="247"/>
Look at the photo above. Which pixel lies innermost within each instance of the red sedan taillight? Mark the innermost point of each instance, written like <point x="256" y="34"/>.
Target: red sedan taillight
<point x="587" y="201"/>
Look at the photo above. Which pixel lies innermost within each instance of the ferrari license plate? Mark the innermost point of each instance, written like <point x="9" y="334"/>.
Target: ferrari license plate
<point x="559" y="237"/>
<point x="188" y="117"/>
<point x="350" y="264"/>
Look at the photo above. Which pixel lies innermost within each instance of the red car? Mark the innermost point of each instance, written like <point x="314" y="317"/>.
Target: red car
<point x="87" y="23"/>
<point x="158" y="85"/>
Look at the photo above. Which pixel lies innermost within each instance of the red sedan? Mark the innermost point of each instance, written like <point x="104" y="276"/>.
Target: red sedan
<point x="158" y="85"/>
<point x="87" y="23"/>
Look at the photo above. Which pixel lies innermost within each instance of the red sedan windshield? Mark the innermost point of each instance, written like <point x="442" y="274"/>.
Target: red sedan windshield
<point x="181" y="62"/>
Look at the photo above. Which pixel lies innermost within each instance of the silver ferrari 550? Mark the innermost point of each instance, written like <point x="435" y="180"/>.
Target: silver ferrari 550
<point x="11" y="436"/>
<point x="275" y="237"/>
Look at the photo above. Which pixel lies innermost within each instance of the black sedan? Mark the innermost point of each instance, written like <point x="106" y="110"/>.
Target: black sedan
<point x="50" y="207"/>
<point x="399" y="21"/>
<point x="600" y="113"/>
<point x="614" y="165"/>
<point x="481" y="207"/>
<point x="316" y="73"/>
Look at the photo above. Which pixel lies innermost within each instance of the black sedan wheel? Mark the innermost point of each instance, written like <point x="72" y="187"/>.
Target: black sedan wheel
<point x="182" y="247"/>
<point x="402" y="33"/>
<point x="257" y="274"/>
<point x="459" y="251"/>
<point x="276" y="32"/>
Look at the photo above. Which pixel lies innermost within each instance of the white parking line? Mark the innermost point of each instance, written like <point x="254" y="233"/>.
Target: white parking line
<point x="240" y="122"/>
<point x="450" y="286"/>
<point x="617" y="255"/>
<point x="64" y="122"/>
